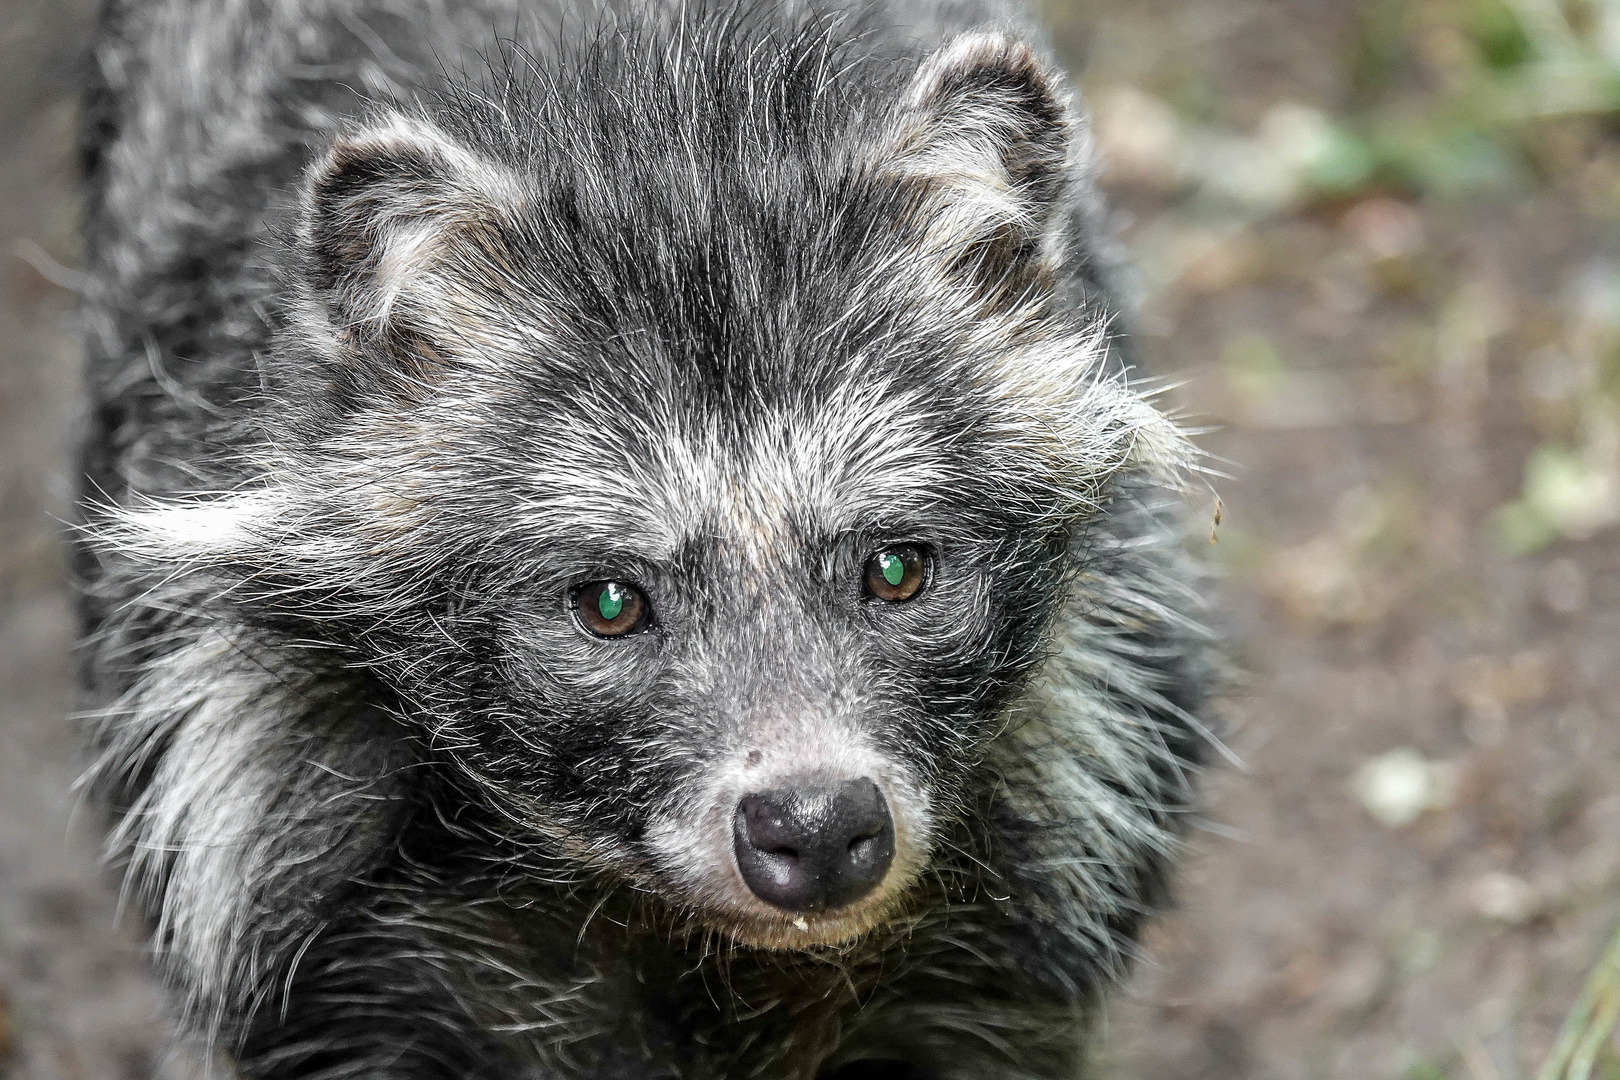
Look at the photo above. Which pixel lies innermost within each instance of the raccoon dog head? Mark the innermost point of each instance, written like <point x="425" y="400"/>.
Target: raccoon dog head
<point x="694" y="442"/>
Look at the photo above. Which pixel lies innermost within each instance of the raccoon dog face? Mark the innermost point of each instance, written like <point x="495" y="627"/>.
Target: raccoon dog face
<point x="698" y="462"/>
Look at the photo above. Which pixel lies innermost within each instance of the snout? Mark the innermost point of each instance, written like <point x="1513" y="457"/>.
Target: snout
<point x="814" y="847"/>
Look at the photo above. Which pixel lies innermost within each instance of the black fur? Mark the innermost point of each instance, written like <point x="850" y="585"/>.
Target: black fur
<point x="386" y="359"/>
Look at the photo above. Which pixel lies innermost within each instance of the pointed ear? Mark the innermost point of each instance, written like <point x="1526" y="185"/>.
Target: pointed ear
<point x="386" y="211"/>
<point x="985" y="126"/>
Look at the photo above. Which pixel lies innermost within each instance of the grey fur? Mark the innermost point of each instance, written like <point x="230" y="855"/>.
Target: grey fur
<point x="387" y="358"/>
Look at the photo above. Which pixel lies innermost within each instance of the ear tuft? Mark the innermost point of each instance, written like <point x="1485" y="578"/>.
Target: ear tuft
<point x="985" y="124"/>
<point x="383" y="209"/>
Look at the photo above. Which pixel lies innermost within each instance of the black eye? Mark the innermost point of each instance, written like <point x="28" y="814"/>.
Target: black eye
<point x="897" y="573"/>
<point x="612" y="608"/>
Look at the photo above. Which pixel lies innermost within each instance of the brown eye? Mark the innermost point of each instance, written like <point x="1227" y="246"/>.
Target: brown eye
<point x="896" y="573"/>
<point x="612" y="608"/>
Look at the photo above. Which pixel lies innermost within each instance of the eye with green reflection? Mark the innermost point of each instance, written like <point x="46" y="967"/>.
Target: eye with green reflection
<point x="896" y="573"/>
<point x="612" y="608"/>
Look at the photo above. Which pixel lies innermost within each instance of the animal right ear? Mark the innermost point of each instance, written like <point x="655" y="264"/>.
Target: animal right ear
<point x="389" y="210"/>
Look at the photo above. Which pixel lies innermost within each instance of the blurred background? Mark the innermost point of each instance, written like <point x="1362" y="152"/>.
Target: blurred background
<point x="1378" y="243"/>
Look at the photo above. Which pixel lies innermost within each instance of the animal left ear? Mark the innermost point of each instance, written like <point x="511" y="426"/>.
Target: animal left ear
<point x="985" y="126"/>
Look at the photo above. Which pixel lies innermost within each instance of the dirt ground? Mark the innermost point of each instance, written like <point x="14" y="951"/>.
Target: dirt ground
<point x="1377" y="244"/>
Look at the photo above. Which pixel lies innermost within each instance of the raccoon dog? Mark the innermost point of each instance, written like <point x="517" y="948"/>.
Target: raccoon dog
<point x="618" y="542"/>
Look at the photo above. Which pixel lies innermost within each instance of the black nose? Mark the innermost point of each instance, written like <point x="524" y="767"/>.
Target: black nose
<point x="814" y="847"/>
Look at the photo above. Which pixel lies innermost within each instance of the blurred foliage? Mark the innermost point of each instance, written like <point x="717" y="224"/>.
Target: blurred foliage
<point x="1491" y="69"/>
<point x="1253" y="369"/>
<point x="1386" y="242"/>
<point x="1444" y="98"/>
<point x="1584" y="1043"/>
<point x="1425" y="1071"/>
<point x="1500" y="76"/>
<point x="1443" y="102"/>
<point x="1571" y="483"/>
